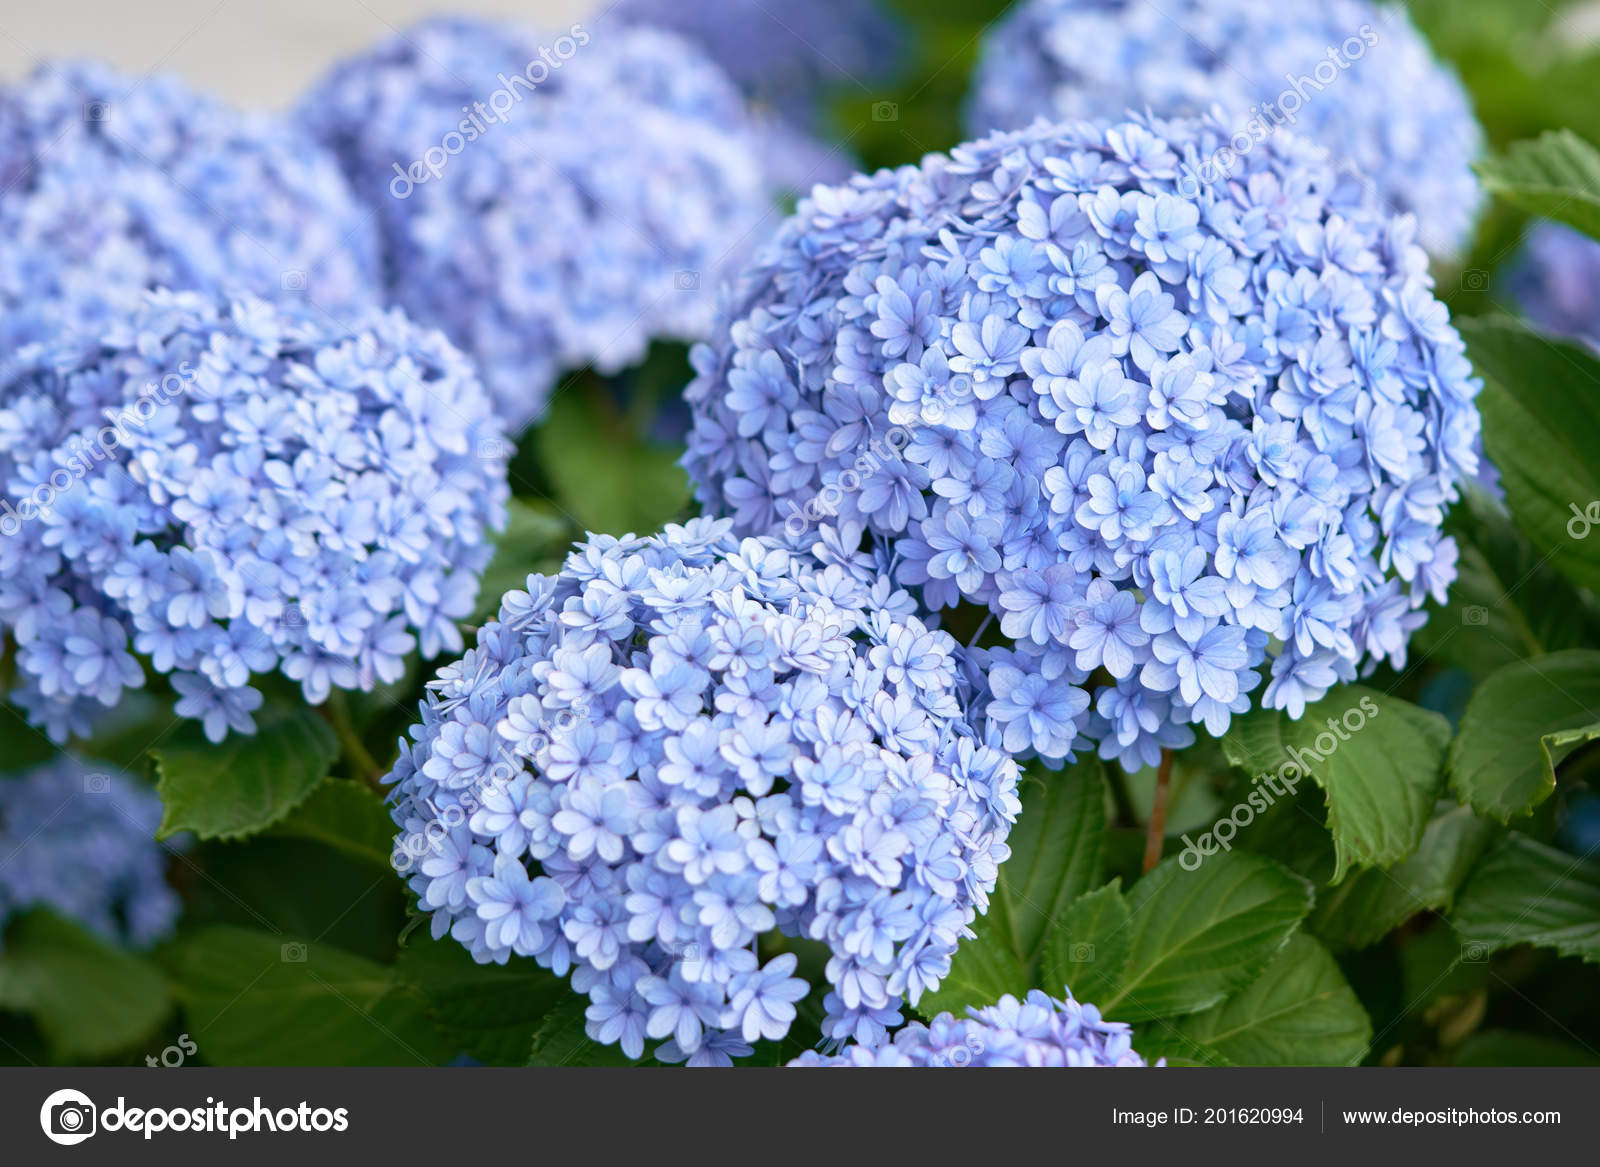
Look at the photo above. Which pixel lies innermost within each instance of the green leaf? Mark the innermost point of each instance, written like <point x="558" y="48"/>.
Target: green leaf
<point x="1541" y="426"/>
<point x="611" y="480"/>
<point x="535" y="540"/>
<point x="1199" y="935"/>
<point x="1160" y="1037"/>
<point x="1507" y="603"/>
<point x="1522" y="892"/>
<point x="346" y="816"/>
<point x="562" y="1041"/>
<point x="1556" y="176"/>
<point x="1365" y="908"/>
<point x="1299" y="1012"/>
<point x="489" y="1010"/>
<point x="245" y="783"/>
<point x="26" y="747"/>
<point x="1504" y="1047"/>
<point x="90" y="999"/>
<point x="1088" y="949"/>
<point x="1560" y="745"/>
<point x="301" y="887"/>
<point x="985" y="969"/>
<point x="1056" y="850"/>
<point x="1517" y="728"/>
<point x="1379" y="760"/>
<point x="274" y="999"/>
<point x="1293" y="830"/>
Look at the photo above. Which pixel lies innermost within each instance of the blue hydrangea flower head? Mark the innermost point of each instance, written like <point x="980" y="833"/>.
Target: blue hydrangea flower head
<point x="233" y="490"/>
<point x="112" y="185"/>
<point x="683" y="743"/>
<point x="1180" y="441"/>
<point x="1037" y="1032"/>
<point x="1556" y="281"/>
<point x="476" y="146"/>
<point x="1353" y="75"/>
<point x="79" y="839"/>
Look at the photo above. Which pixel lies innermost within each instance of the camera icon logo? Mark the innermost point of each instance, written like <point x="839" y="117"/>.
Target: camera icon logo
<point x="97" y="784"/>
<point x="1474" y="280"/>
<point x="293" y="280"/>
<point x="1082" y="953"/>
<point x="68" y="1117"/>
<point x="1474" y="952"/>
<point x="493" y="450"/>
<point x="293" y="953"/>
<point x="885" y="111"/>
<point x="1475" y="617"/>
<point x="96" y="111"/>
<point x="686" y="281"/>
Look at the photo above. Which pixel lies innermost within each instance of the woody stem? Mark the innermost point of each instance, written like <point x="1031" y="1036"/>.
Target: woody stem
<point x="1156" y="831"/>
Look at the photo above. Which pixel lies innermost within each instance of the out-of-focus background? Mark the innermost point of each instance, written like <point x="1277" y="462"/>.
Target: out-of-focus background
<point x="254" y="52"/>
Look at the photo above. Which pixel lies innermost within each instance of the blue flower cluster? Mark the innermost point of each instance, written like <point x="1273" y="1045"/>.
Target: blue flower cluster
<point x="80" y="841"/>
<point x="1037" y="1032"/>
<point x="111" y="185"/>
<point x="1556" y="281"/>
<point x="684" y="742"/>
<point x="233" y="490"/>
<point x="1353" y="75"/>
<point x="1168" y="439"/>
<point x="549" y="205"/>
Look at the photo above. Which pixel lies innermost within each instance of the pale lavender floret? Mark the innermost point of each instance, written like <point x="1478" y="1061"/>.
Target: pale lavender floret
<point x="768" y="744"/>
<point x="1228" y="454"/>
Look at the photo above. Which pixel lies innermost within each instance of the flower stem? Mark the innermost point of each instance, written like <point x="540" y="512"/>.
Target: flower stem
<point x="337" y="713"/>
<point x="1118" y="779"/>
<point x="1156" y="831"/>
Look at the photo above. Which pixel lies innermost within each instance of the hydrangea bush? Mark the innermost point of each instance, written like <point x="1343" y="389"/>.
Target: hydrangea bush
<point x="476" y="146"/>
<point x="232" y="490"/>
<point x="1556" y="281"/>
<point x="683" y="743"/>
<point x="1038" y="1032"/>
<point x="1352" y="75"/>
<point x="1175" y="441"/>
<point x="80" y="840"/>
<point x="112" y="185"/>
